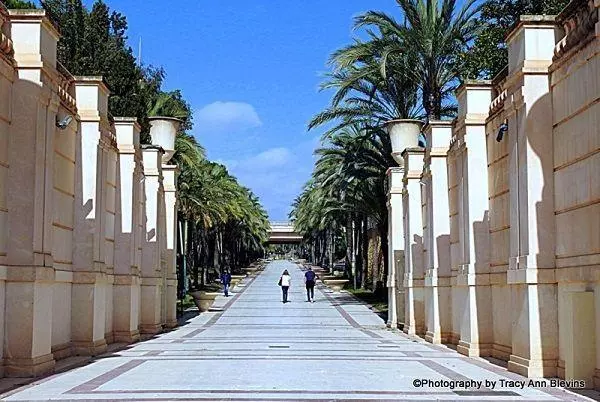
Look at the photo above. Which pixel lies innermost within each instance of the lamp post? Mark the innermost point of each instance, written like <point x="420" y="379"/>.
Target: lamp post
<point x="404" y="134"/>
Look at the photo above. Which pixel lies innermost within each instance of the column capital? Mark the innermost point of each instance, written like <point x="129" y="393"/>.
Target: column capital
<point x="34" y="38"/>
<point x="127" y="131"/>
<point x="531" y="44"/>
<point x="438" y="134"/>
<point x="170" y="177"/>
<point x="151" y="157"/>
<point x="474" y="98"/>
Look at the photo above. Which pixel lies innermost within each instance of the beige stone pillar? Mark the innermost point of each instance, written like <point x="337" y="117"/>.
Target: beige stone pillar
<point x="7" y="78"/>
<point x="170" y="300"/>
<point x="109" y="152"/>
<point x="532" y="222"/>
<point x="152" y="276"/>
<point x="126" y="297"/>
<point x="90" y="279"/>
<point x="413" y="242"/>
<point x="436" y="230"/>
<point x="472" y="311"/>
<point x="28" y="190"/>
<point x="395" y="248"/>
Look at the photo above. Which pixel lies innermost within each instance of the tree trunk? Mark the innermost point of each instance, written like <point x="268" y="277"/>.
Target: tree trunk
<point x="365" y="248"/>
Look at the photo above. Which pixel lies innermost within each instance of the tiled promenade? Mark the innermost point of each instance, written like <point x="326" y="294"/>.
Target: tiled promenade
<point x="252" y="347"/>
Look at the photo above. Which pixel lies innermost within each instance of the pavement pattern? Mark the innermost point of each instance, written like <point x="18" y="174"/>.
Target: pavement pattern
<point x="252" y="347"/>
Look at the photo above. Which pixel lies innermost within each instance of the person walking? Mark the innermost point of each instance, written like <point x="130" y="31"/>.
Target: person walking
<point x="309" y="281"/>
<point x="226" y="281"/>
<point x="284" y="281"/>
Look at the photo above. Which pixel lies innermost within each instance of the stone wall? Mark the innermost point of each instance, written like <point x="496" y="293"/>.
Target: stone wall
<point x="511" y="218"/>
<point x="74" y="211"/>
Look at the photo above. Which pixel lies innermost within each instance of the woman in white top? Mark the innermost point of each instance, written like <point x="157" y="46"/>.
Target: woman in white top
<point x="285" y="282"/>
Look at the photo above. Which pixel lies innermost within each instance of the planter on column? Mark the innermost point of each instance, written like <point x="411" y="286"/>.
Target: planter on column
<point x="403" y="134"/>
<point x="163" y="131"/>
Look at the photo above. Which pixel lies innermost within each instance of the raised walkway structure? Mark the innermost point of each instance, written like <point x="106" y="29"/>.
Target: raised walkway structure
<point x="283" y="232"/>
<point x="252" y="347"/>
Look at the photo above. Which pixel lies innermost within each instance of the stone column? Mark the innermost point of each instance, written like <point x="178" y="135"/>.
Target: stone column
<point x="531" y="182"/>
<point x="6" y="84"/>
<point x="126" y="300"/>
<point x="395" y="247"/>
<point x="413" y="242"/>
<point x="473" y="308"/>
<point x="151" y="245"/>
<point x="29" y="265"/>
<point x="90" y="280"/>
<point x="170" y="184"/>
<point x="436" y="229"/>
<point x="110" y="156"/>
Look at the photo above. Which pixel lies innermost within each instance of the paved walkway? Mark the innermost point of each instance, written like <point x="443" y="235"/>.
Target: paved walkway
<point x="253" y="347"/>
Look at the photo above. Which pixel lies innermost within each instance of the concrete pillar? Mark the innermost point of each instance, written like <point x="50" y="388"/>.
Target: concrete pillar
<point x="6" y="82"/>
<point x="90" y="279"/>
<point x="413" y="242"/>
<point x="170" y="185"/>
<point x="395" y="247"/>
<point x="109" y="152"/>
<point x="152" y="276"/>
<point x="532" y="222"/>
<point x="471" y="180"/>
<point x="28" y="190"/>
<point x="436" y="229"/>
<point x="126" y="297"/>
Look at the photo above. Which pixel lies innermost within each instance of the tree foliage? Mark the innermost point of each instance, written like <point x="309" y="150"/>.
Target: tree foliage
<point x="489" y="54"/>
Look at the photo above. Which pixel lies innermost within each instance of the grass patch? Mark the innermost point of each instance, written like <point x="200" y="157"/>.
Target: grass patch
<point x="378" y="302"/>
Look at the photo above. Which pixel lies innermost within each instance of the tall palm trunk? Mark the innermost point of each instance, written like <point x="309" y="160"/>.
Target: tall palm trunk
<point x="365" y="248"/>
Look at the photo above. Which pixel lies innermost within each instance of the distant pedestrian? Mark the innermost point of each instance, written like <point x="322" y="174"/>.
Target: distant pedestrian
<point x="309" y="281"/>
<point x="226" y="281"/>
<point x="284" y="281"/>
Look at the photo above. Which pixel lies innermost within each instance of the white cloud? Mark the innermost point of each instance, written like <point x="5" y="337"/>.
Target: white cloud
<point x="226" y="117"/>
<point x="276" y="175"/>
<point x="271" y="158"/>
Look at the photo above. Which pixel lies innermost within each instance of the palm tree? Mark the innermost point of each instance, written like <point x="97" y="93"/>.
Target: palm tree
<point x="346" y="190"/>
<point x="434" y="34"/>
<point x="365" y="95"/>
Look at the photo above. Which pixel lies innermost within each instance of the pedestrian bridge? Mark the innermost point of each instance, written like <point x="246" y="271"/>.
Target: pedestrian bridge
<point x="283" y="232"/>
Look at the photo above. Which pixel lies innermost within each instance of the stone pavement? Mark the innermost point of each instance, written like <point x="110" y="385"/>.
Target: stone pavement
<point x="252" y="347"/>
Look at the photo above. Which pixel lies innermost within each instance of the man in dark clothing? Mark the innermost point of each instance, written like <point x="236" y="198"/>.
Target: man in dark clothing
<point x="309" y="280"/>
<point x="226" y="281"/>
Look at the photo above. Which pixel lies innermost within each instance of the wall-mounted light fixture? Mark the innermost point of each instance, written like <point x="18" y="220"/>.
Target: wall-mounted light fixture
<point x="501" y="130"/>
<point x="64" y="122"/>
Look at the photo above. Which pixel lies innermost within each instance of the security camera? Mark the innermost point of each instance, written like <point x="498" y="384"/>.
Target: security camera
<point x="64" y="122"/>
<point x="501" y="130"/>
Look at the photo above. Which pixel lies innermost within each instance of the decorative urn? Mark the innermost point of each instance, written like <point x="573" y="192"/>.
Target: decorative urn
<point x="163" y="131"/>
<point x="404" y="133"/>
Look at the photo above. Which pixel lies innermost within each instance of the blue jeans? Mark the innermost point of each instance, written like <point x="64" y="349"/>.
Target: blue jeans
<point x="285" y="289"/>
<point x="226" y="289"/>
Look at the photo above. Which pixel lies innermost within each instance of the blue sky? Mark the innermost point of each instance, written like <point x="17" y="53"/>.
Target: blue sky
<point x="250" y="70"/>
